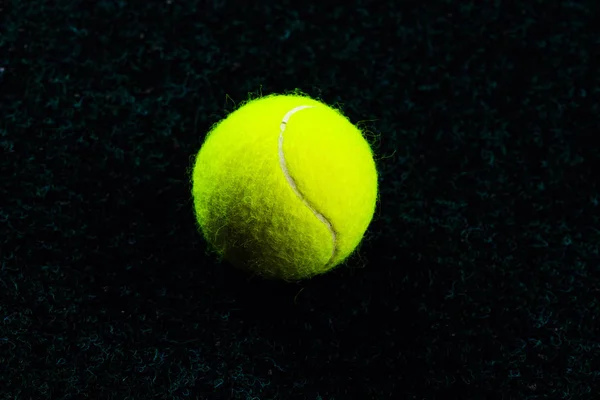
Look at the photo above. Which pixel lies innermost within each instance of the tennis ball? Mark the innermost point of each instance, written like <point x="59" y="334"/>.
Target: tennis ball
<point x="284" y="187"/>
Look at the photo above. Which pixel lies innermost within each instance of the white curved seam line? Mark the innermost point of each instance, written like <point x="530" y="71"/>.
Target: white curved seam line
<point x="291" y="181"/>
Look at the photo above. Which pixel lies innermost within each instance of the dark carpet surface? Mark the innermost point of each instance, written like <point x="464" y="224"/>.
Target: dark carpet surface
<point x="478" y="278"/>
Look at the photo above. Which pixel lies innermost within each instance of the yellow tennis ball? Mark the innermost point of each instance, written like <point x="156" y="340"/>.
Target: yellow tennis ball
<point x="284" y="187"/>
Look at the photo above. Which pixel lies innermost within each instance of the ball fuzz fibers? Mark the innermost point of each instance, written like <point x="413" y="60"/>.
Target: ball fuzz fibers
<point x="284" y="187"/>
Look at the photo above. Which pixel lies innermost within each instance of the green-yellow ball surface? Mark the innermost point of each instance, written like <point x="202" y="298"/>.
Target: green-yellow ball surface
<point x="284" y="187"/>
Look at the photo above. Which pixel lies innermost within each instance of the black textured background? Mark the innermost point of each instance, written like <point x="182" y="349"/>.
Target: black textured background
<point x="479" y="278"/>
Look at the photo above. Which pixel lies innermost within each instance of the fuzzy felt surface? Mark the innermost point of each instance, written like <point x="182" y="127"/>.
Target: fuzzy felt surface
<point x="285" y="187"/>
